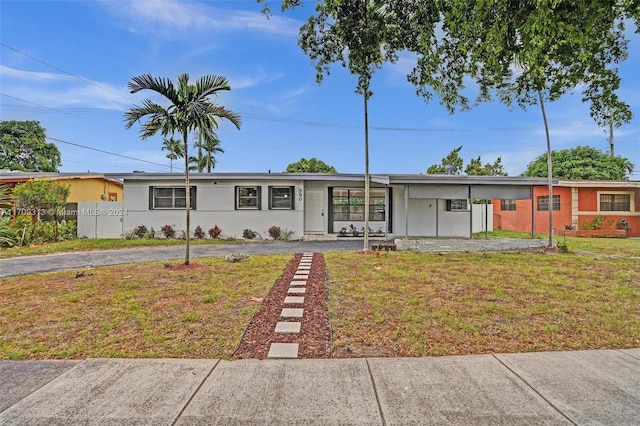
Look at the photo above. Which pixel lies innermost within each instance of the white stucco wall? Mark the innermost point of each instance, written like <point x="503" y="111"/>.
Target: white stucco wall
<point x="215" y="205"/>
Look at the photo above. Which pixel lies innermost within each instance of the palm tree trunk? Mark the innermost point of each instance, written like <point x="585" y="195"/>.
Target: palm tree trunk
<point x="187" y="195"/>
<point x="549" y="170"/>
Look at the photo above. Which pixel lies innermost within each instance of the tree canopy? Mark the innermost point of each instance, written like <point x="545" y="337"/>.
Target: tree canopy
<point x="453" y="162"/>
<point x="582" y="162"/>
<point x="312" y="165"/>
<point x="23" y="146"/>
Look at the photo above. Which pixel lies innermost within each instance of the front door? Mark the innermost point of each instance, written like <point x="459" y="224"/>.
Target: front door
<point x="314" y="211"/>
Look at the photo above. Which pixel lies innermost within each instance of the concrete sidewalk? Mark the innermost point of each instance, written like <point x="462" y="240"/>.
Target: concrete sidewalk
<point x="582" y="387"/>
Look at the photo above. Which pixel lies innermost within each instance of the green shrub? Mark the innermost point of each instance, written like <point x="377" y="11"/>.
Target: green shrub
<point x="563" y="246"/>
<point x="198" y="232"/>
<point x="249" y="234"/>
<point x="150" y="234"/>
<point x="286" y="234"/>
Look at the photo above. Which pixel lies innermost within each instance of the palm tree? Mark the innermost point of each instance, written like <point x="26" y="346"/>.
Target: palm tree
<point x="190" y="108"/>
<point x="210" y="145"/>
<point x="174" y="146"/>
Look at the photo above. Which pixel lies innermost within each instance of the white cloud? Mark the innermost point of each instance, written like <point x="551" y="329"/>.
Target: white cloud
<point x="165" y="16"/>
<point x="31" y="76"/>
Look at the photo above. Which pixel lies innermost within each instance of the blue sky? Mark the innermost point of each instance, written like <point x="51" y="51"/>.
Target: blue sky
<point x="67" y="64"/>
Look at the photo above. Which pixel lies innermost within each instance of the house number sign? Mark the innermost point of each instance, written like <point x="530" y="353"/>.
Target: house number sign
<point x="299" y="194"/>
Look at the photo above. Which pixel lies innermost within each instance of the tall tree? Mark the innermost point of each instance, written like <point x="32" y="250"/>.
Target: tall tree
<point x="453" y="162"/>
<point x="553" y="47"/>
<point x="176" y="151"/>
<point x="582" y="162"/>
<point x="362" y="35"/>
<point x="190" y="108"/>
<point x="23" y="147"/>
<point x="475" y="168"/>
<point x="452" y="159"/>
<point x="312" y="165"/>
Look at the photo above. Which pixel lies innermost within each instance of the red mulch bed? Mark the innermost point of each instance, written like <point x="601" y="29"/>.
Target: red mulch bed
<point x="315" y="333"/>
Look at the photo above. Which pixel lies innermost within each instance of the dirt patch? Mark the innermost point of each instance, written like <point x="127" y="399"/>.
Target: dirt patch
<point x="315" y="333"/>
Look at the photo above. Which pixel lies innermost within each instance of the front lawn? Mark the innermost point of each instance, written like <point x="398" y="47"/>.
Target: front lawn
<point x="385" y="304"/>
<point x="410" y="304"/>
<point x="139" y="310"/>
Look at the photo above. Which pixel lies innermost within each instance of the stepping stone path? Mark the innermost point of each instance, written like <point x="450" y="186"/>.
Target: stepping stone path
<point x="293" y="321"/>
<point x="290" y="350"/>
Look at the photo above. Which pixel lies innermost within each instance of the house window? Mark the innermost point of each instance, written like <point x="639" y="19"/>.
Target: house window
<point x="113" y="196"/>
<point x="615" y="202"/>
<point x="508" y="205"/>
<point x="171" y="197"/>
<point x="460" y="205"/>
<point x="543" y="203"/>
<point x="281" y="197"/>
<point x="348" y="204"/>
<point x="248" y="197"/>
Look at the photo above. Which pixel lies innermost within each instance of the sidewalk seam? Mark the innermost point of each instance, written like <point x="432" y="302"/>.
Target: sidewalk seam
<point x="375" y="392"/>
<point x="551" y="404"/>
<point x="195" y="393"/>
<point x="627" y="354"/>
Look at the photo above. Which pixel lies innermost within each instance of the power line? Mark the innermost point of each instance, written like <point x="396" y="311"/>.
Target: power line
<point x="63" y="71"/>
<point x="105" y="152"/>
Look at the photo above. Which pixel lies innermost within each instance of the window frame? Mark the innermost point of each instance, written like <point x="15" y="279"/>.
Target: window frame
<point x="451" y="205"/>
<point x="153" y="198"/>
<point x="614" y="194"/>
<point x="546" y="209"/>
<point x="352" y="210"/>
<point x="508" y="205"/>
<point x="290" y="198"/>
<point x="239" y="197"/>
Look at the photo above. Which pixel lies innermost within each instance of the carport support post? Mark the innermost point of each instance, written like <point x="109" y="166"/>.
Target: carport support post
<point x="533" y="214"/>
<point x="486" y="219"/>
<point x="406" y="211"/>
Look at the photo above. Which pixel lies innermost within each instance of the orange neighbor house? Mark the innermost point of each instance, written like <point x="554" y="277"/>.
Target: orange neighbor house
<point x="575" y="202"/>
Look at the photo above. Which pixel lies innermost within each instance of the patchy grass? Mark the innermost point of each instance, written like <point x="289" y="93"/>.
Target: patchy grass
<point x="610" y="246"/>
<point x="104" y="244"/>
<point x="139" y="310"/>
<point x="413" y="304"/>
<point x="613" y="246"/>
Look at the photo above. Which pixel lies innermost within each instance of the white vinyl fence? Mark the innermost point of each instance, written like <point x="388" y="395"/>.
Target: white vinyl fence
<point x="100" y="219"/>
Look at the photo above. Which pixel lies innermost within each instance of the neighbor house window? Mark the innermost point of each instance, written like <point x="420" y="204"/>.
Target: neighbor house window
<point x="615" y="202"/>
<point x="508" y="205"/>
<point x="113" y="196"/>
<point x="248" y="197"/>
<point x="543" y="203"/>
<point x="348" y="204"/>
<point x="457" y="205"/>
<point x="281" y="197"/>
<point x="171" y="197"/>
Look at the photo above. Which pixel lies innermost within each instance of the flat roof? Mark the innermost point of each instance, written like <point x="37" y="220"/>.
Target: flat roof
<point x="385" y="179"/>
